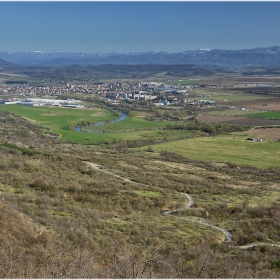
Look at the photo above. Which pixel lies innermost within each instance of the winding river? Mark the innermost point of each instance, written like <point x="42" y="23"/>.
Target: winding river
<point x="122" y="117"/>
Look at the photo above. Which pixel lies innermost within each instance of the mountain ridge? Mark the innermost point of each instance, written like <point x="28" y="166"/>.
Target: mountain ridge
<point x="268" y="56"/>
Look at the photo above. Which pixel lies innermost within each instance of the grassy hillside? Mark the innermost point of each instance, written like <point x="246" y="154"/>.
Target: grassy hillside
<point x="68" y="220"/>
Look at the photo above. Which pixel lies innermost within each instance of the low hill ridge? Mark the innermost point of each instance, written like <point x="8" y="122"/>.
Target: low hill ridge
<point x="4" y="63"/>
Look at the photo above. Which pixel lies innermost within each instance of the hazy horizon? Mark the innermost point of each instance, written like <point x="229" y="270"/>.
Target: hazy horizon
<point x="105" y="53"/>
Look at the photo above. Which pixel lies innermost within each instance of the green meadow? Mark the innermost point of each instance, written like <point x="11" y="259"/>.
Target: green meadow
<point x="225" y="148"/>
<point x="60" y="121"/>
<point x="183" y="82"/>
<point x="265" y="115"/>
<point x="58" y="118"/>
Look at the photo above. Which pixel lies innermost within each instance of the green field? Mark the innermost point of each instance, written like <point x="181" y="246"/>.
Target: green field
<point x="59" y="120"/>
<point x="183" y="82"/>
<point x="232" y="112"/>
<point x="265" y="115"/>
<point x="225" y="148"/>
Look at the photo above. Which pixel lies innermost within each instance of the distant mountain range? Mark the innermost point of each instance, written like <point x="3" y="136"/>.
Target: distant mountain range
<point x="211" y="59"/>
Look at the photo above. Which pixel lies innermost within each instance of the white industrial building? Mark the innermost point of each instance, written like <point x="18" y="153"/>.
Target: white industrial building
<point x="72" y="103"/>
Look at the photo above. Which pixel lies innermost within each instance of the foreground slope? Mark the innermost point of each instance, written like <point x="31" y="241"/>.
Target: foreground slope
<point x="109" y="227"/>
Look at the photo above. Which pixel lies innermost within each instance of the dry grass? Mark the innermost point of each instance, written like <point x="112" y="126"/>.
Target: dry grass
<point x="87" y="209"/>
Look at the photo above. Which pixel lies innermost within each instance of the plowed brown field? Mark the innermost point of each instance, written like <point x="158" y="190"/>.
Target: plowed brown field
<point x="237" y="120"/>
<point x="266" y="134"/>
<point x="261" y="104"/>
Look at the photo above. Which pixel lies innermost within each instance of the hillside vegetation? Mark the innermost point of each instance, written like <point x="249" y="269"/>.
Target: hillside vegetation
<point x="61" y="218"/>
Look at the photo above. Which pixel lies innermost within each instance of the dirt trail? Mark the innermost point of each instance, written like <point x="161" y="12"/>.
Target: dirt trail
<point x="228" y="235"/>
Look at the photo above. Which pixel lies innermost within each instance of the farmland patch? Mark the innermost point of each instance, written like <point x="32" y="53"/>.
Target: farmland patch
<point x="237" y="120"/>
<point x="226" y="148"/>
<point x="272" y="134"/>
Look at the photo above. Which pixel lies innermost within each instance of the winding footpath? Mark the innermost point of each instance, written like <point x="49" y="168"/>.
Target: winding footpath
<point x="228" y="234"/>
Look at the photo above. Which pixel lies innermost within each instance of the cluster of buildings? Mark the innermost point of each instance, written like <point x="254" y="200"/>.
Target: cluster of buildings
<point x="42" y="91"/>
<point x="126" y="89"/>
<point x="156" y="94"/>
<point x="152" y="92"/>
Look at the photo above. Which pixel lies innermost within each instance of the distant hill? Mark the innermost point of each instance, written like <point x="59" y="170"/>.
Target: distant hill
<point x="151" y="69"/>
<point x="265" y="57"/>
<point x="109" y="71"/>
<point x="4" y="63"/>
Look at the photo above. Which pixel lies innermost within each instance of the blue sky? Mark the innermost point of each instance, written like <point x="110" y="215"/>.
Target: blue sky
<point x="93" y="27"/>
